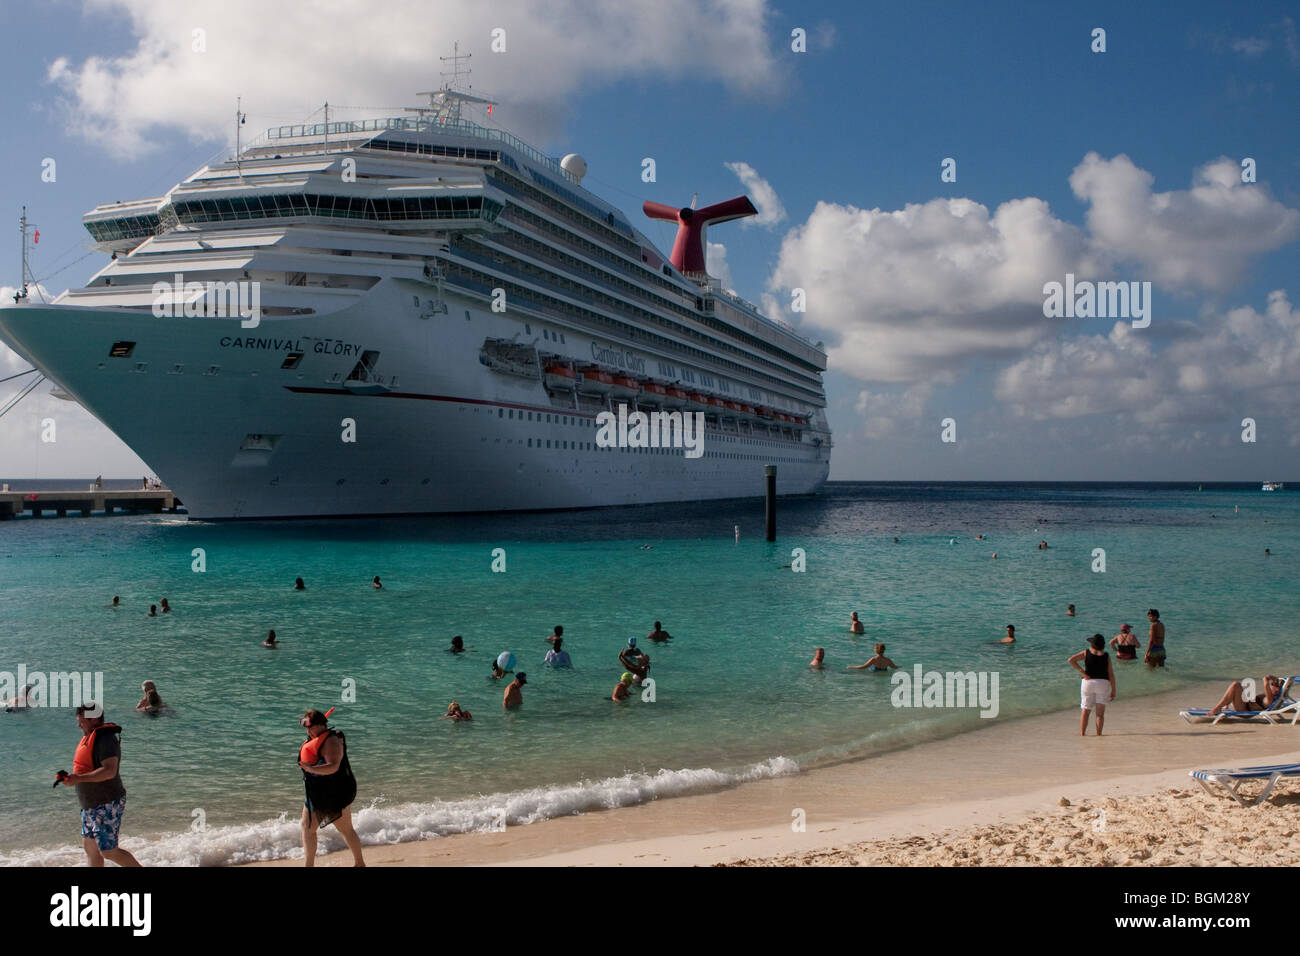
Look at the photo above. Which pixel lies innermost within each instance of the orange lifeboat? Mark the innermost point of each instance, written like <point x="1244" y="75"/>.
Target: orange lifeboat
<point x="675" y="398"/>
<point x="560" y="376"/>
<point x="625" y="386"/>
<point x="594" y="380"/>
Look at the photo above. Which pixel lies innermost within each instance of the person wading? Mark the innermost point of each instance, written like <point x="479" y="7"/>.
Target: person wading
<point x="330" y="786"/>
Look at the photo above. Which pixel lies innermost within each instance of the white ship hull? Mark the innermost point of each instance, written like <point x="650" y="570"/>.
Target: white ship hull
<point x="207" y="405"/>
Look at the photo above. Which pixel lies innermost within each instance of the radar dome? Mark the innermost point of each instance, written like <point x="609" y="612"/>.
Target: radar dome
<point x="574" y="165"/>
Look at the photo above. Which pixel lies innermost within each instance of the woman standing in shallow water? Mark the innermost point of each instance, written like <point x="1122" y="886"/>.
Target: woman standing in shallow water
<point x="1098" y="682"/>
<point x="1155" y="655"/>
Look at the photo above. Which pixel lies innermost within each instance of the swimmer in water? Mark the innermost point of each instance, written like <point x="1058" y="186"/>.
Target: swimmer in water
<point x="117" y="602"/>
<point x="819" y="658"/>
<point x="457" y="645"/>
<point x="22" y="702"/>
<point x="622" y="690"/>
<point x="895" y="541"/>
<point x="512" y="697"/>
<point x="995" y="555"/>
<point x="556" y="656"/>
<point x="1042" y="546"/>
<point x="855" y="626"/>
<point x="454" y="712"/>
<point x="878" y="663"/>
<point x="166" y="608"/>
<point x="557" y="633"/>
<point x="1125" y="643"/>
<point x="658" y="634"/>
<point x="153" y="610"/>
<point x="1069" y="610"/>
<point x="1155" y="655"/>
<point x="979" y="537"/>
<point x="298" y="585"/>
<point x="151" y="703"/>
<point x="376" y="584"/>
<point x="636" y="661"/>
<point x="498" y="671"/>
<point x="1011" y="635"/>
<point x="270" y="639"/>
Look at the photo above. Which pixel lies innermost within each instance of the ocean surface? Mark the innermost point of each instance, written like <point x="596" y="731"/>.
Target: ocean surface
<point x="215" y="779"/>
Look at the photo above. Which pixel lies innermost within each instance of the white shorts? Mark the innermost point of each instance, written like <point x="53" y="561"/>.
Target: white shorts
<point x="1094" y="692"/>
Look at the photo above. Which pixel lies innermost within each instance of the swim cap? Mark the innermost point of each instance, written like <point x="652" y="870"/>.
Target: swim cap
<point x="506" y="661"/>
<point x="631" y="642"/>
<point x="626" y="678"/>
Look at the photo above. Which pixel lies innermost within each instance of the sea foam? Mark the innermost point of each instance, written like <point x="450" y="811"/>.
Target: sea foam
<point x="379" y="824"/>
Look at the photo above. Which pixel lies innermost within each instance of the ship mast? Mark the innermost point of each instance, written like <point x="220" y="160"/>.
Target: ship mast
<point x="26" y="278"/>
<point x="239" y="123"/>
<point x="445" y="104"/>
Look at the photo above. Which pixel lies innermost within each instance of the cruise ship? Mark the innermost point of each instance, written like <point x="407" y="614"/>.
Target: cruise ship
<point x="416" y="315"/>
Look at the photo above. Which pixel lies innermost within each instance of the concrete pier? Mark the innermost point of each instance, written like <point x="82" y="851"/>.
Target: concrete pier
<point x="85" y="503"/>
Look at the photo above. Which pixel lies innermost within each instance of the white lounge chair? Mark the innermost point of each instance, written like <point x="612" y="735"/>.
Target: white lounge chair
<point x="1230" y="782"/>
<point x="1276" y="713"/>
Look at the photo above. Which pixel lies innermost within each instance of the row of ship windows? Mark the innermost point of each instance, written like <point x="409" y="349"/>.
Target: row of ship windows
<point x="559" y="445"/>
<point x="511" y="414"/>
<point x="485" y="282"/>
<point x="457" y="152"/>
<point x="301" y="204"/>
<point x="527" y="217"/>
<point x="338" y="207"/>
<point x="512" y="184"/>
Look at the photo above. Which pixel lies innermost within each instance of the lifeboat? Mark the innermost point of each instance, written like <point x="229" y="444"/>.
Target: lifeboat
<point x="675" y="397"/>
<point x="732" y="406"/>
<point x="766" y="413"/>
<point x="698" y="401"/>
<point x="714" y="402"/>
<point x="625" y="387"/>
<point x="560" y="376"/>
<point x="594" y="380"/>
<point x="654" y="392"/>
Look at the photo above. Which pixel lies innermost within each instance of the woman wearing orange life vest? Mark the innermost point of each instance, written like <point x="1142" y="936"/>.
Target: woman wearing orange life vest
<point x="330" y="786"/>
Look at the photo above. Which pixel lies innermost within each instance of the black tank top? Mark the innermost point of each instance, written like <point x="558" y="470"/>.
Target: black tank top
<point x="1096" y="666"/>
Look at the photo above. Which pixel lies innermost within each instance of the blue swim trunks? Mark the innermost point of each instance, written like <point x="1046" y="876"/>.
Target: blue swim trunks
<point x="103" y="822"/>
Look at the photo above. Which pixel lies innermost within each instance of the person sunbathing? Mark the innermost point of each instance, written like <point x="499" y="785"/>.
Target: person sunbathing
<point x="1233" y="698"/>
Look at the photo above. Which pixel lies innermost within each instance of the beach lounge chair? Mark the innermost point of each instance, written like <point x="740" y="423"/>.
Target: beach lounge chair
<point x="1283" y="707"/>
<point x="1229" y="782"/>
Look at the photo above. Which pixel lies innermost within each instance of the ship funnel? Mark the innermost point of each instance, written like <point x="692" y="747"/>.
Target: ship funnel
<point x="688" y="250"/>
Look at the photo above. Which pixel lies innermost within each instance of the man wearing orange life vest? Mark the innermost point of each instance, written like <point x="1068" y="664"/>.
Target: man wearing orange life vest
<point x="99" y="787"/>
<point x="330" y="786"/>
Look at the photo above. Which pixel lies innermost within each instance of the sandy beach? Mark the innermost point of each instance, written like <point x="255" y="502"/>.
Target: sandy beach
<point x="1022" y="792"/>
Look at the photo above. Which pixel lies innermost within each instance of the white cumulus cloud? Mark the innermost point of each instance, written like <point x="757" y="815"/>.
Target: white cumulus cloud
<point x="191" y="59"/>
<point x="1227" y="366"/>
<point x="1198" y="239"/>
<point x="766" y="201"/>
<point x="716" y="264"/>
<point x="920" y="292"/>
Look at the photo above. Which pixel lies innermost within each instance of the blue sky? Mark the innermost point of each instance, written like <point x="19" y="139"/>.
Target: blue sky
<point x="931" y="309"/>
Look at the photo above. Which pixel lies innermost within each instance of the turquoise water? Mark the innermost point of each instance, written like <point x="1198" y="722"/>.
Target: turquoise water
<point x="734" y="697"/>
